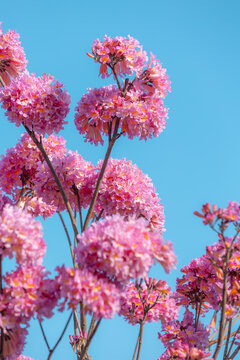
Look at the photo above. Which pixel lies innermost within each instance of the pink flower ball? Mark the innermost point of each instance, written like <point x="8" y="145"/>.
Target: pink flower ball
<point x="124" y="54"/>
<point x="21" y="235"/>
<point x="12" y="56"/>
<point x="38" y="103"/>
<point x="140" y="115"/>
<point x="121" y="250"/>
<point x="127" y="191"/>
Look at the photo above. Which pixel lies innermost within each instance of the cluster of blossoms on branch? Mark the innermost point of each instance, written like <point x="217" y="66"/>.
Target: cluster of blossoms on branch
<point x="122" y="234"/>
<point x="40" y="176"/>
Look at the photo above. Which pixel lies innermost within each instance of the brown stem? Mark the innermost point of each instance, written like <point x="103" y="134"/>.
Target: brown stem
<point x="228" y="337"/>
<point x="234" y="337"/>
<point x="224" y="302"/>
<point x="100" y="177"/>
<point x="44" y="336"/>
<point x="83" y="318"/>
<point x="116" y="77"/>
<point x="91" y="326"/>
<point x="60" y="338"/>
<point x="89" y="340"/>
<point x="68" y="237"/>
<point x="80" y="211"/>
<point x="135" y="350"/>
<point x="20" y="195"/>
<point x="140" y="339"/>
<point x="235" y="353"/>
<point x="46" y="158"/>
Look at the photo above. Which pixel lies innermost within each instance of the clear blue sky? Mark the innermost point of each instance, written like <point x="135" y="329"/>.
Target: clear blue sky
<point x="196" y="158"/>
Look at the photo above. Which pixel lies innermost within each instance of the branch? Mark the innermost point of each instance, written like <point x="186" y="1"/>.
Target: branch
<point x="44" y="336"/>
<point x="68" y="237"/>
<point x="60" y="338"/>
<point x="89" y="340"/>
<point x="100" y="177"/>
<point x="46" y="158"/>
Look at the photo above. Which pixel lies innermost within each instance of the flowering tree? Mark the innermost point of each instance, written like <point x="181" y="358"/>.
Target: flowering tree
<point x="121" y="236"/>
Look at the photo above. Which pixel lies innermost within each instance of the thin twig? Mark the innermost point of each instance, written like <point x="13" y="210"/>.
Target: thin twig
<point x="46" y="158"/>
<point x="234" y="337"/>
<point x="80" y="210"/>
<point x="116" y="77"/>
<point x="60" y="338"/>
<point x="232" y="356"/>
<point x="135" y="350"/>
<point x="68" y="237"/>
<point x="89" y="340"/>
<point x="44" y="336"/>
<point x="228" y="337"/>
<point x="224" y="302"/>
<point x="91" y="326"/>
<point x="100" y="177"/>
<point x="140" y="339"/>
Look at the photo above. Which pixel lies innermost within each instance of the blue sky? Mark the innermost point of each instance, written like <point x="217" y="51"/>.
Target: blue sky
<point x="193" y="161"/>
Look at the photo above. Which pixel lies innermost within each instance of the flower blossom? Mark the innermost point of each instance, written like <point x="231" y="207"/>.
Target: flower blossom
<point x="18" y="168"/>
<point x="183" y="339"/>
<point x="230" y="214"/>
<point x="127" y="191"/>
<point x="76" y="175"/>
<point x="100" y="296"/>
<point x="123" y="55"/>
<point x="38" y="103"/>
<point x="23" y="357"/>
<point x="20" y="294"/>
<point x="12" y="56"/>
<point x="139" y="115"/>
<point x="120" y="250"/>
<point x="148" y="301"/>
<point x="21" y="234"/>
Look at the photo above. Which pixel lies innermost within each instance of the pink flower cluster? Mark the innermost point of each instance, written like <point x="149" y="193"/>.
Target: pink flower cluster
<point x="148" y="301"/>
<point x="20" y="294"/>
<point x="21" y="234"/>
<point x="75" y="175"/>
<point x="23" y="357"/>
<point x="38" y="103"/>
<point x="140" y="115"/>
<point x="124" y="55"/>
<point x="99" y="295"/>
<point x="230" y="214"/>
<point x="183" y="340"/>
<point x="125" y="190"/>
<point x="120" y="250"/>
<point x="18" y="169"/>
<point x="12" y="56"/>
<point x="137" y="105"/>
<point x="198" y="285"/>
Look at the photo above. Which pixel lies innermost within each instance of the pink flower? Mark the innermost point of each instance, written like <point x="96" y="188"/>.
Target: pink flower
<point x="18" y="169"/>
<point x="140" y="115"/>
<point x="100" y="296"/>
<point x="149" y="301"/>
<point x="125" y="190"/>
<point x="75" y="175"/>
<point x="12" y="56"/>
<point x="122" y="54"/>
<point x="38" y="103"/>
<point x="23" y="357"/>
<point x="20" y="294"/>
<point x="121" y="250"/>
<point x="21" y="234"/>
